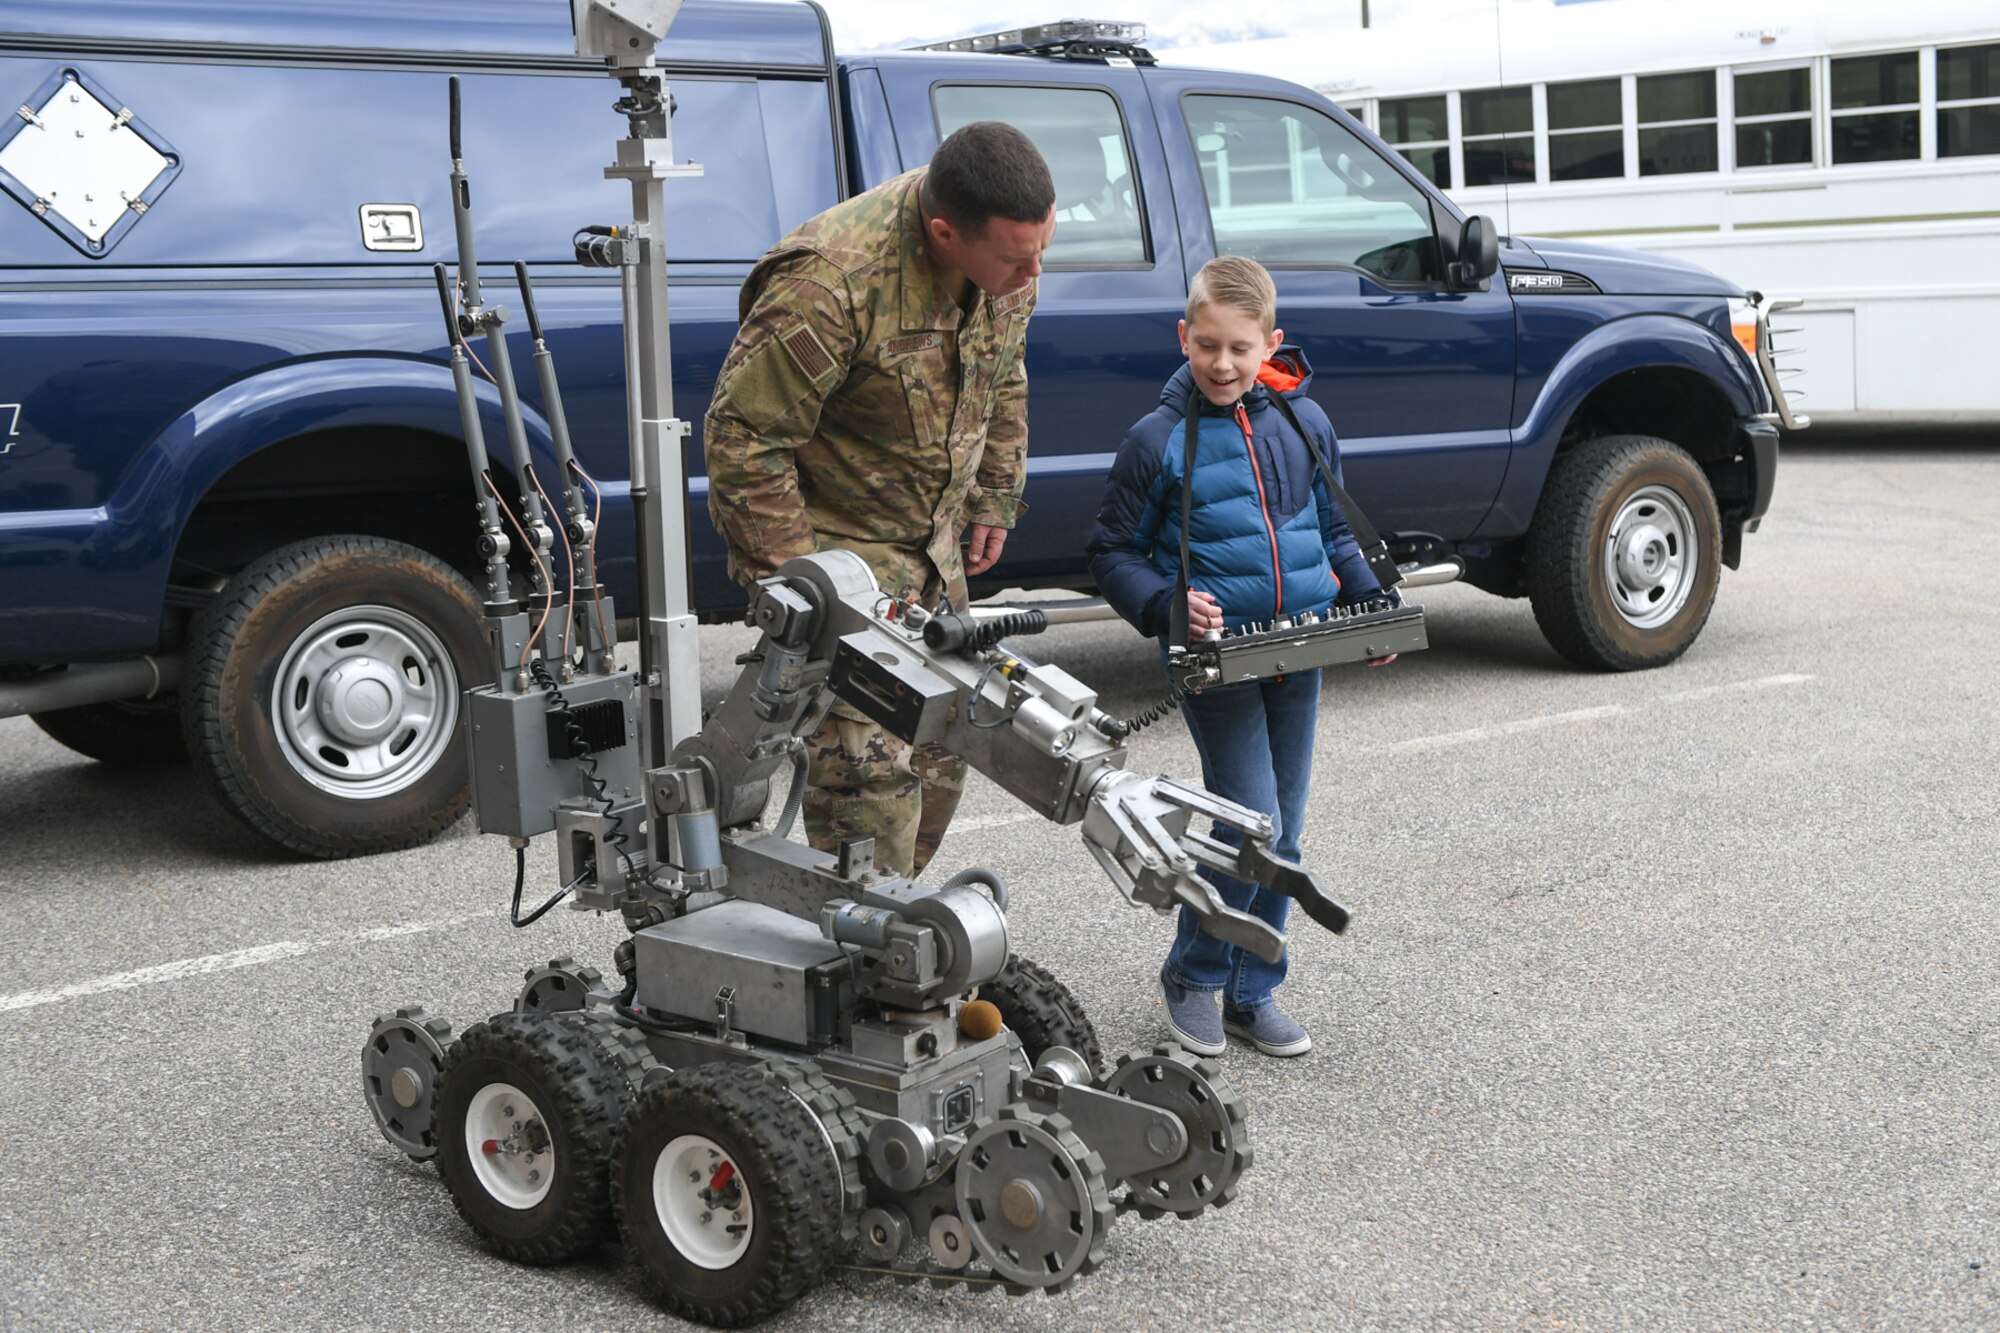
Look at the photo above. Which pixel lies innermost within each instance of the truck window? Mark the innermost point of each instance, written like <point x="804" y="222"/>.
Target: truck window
<point x="1080" y="132"/>
<point x="1288" y="185"/>
<point x="325" y="139"/>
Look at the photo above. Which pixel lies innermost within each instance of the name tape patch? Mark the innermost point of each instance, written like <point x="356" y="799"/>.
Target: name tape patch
<point x="915" y="342"/>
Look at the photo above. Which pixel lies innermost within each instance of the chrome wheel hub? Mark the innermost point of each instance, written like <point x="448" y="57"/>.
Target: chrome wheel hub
<point x="1649" y="560"/>
<point x="365" y="702"/>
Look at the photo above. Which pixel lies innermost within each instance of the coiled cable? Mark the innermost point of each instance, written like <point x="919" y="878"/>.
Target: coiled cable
<point x="1121" y="727"/>
<point x="579" y="747"/>
<point x="956" y="632"/>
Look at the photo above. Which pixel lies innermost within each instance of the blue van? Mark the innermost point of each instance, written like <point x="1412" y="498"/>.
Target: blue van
<point x="222" y="363"/>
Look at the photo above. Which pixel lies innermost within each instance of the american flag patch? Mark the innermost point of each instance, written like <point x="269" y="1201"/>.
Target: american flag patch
<point x="807" y="353"/>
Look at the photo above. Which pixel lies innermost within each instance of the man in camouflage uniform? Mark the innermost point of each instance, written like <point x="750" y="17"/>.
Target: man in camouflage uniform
<point x="875" y="400"/>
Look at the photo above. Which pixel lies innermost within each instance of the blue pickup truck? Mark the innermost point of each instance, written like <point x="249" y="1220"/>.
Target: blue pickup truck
<point x="223" y="369"/>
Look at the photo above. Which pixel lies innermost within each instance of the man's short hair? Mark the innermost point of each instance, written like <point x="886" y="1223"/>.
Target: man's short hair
<point x="985" y="170"/>
<point x="1239" y="284"/>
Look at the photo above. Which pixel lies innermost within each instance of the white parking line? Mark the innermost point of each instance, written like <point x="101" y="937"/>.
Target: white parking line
<point x="1450" y="738"/>
<point x="978" y="822"/>
<point x="271" y="953"/>
<point x="218" y="962"/>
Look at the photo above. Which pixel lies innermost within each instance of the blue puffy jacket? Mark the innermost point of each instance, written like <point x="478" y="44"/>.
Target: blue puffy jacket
<point x="1265" y="536"/>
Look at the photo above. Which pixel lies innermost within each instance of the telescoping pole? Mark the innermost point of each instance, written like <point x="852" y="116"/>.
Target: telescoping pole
<point x="670" y="656"/>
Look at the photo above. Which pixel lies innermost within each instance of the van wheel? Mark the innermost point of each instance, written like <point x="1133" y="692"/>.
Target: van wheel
<point x="321" y="698"/>
<point x="128" y="731"/>
<point x="1625" y="553"/>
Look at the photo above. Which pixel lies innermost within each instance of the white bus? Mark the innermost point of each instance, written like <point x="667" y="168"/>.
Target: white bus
<point x="1845" y="151"/>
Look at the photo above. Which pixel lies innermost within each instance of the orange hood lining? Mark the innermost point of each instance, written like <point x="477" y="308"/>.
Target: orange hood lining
<point x="1278" y="377"/>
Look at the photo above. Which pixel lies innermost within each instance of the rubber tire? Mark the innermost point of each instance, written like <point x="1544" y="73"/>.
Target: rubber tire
<point x="235" y="647"/>
<point x="127" y="731"/>
<point x="583" y="1100"/>
<point x="793" y="1180"/>
<point x="1042" y="1012"/>
<point x="1563" y="556"/>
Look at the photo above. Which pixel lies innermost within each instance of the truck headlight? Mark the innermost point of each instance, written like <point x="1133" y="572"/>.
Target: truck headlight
<point x="1743" y="324"/>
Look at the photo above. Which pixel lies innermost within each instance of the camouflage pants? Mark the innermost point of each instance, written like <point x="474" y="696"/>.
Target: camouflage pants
<point x="864" y="783"/>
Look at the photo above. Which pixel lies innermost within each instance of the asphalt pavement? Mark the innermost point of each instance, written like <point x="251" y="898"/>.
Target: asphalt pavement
<point x="1671" y="1000"/>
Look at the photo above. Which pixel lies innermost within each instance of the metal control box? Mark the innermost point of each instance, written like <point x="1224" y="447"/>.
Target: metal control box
<point x="516" y="786"/>
<point x="772" y="975"/>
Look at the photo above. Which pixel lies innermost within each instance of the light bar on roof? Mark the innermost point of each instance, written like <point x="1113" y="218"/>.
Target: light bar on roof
<point x="1044" y="34"/>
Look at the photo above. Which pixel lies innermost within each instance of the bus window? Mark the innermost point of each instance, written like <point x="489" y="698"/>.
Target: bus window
<point x="1586" y="130"/>
<point x="1499" y="136"/>
<point x="1874" y="107"/>
<point x="1774" y="117"/>
<point x="1417" y="128"/>
<point x="1968" y="116"/>
<point x="1291" y="186"/>
<point x="1676" y="123"/>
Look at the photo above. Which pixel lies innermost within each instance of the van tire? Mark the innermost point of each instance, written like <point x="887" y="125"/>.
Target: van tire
<point x="365" y="753"/>
<point x="125" y="732"/>
<point x="1625" y="553"/>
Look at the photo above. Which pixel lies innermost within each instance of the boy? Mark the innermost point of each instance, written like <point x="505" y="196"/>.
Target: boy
<point x="1265" y="540"/>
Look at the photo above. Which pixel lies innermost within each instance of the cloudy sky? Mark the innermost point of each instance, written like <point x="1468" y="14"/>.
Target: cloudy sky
<point x="873" y="25"/>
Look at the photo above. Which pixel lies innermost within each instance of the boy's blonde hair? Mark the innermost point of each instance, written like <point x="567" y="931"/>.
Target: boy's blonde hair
<point x="1238" y="284"/>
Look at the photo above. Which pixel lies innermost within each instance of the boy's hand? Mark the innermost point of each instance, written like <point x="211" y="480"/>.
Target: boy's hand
<point x="1382" y="661"/>
<point x="1204" y="613"/>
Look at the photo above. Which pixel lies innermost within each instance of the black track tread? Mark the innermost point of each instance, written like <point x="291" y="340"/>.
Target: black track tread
<point x="623" y="1046"/>
<point x="583" y="1101"/>
<point x="210" y="639"/>
<point x="1556" y="556"/>
<point x="777" y="1145"/>
<point x="1042" y="1012"/>
<point x="834" y="1107"/>
<point x="119" y="733"/>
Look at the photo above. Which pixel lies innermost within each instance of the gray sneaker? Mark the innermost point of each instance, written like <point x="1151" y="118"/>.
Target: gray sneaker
<point x="1268" y="1030"/>
<point x="1192" y="1017"/>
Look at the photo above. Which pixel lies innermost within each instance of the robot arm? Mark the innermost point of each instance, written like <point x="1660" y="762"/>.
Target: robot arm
<point x="830" y="634"/>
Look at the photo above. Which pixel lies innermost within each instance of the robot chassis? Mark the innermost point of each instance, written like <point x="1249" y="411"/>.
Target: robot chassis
<point x="791" y="1070"/>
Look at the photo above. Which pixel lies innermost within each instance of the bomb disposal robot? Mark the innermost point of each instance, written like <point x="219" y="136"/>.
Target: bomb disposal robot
<point x="791" y="1067"/>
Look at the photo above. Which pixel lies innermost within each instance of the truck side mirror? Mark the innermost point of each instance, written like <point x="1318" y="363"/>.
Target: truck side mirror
<point x="1478" y="255"/>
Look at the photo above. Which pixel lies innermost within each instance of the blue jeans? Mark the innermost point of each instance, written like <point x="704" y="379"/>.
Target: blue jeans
<point x="1256" y="744"/>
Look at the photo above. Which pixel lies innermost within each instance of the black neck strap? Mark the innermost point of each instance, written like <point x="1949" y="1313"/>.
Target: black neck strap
<point x="1373" y="548"/>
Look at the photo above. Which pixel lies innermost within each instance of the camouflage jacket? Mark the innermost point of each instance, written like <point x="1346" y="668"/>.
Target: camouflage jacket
<point x="861" y="407"/>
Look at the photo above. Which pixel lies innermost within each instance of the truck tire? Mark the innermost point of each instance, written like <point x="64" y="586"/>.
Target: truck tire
<point x="321" y="696"/>
<point x="1625" y="553"/>
<point x="128" y="731"/>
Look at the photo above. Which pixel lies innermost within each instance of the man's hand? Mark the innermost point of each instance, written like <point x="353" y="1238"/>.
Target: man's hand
<point x="982" y="548"/>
